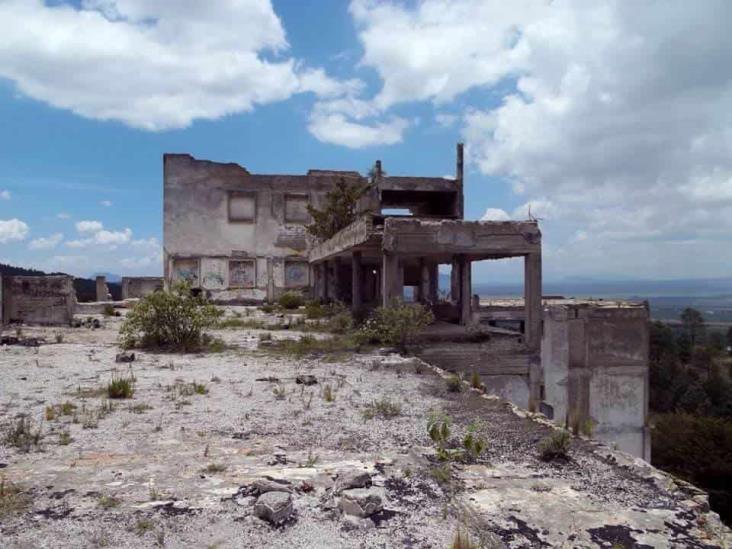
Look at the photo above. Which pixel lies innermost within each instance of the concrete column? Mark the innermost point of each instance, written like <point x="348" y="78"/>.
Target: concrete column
<point x="392" y="281"/>
<point x="102" y="289"/>
<point x="424" y="280"/>
<point x="270" y="280"/>
<point x="433" y="269"/>
<point x="455" y="280"/>
<point x="465" y="290"/>
<point x="356" y="282"/>
<point x="532" y="299"/>
<point x="334" y="283"/>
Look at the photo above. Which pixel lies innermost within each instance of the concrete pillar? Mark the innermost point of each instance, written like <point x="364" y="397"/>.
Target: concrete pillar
<point x="433" y="269"/>
<point x="270" y="281"/>
<point x="424" y="280"/>
<point x="334" y="283"/>
<point x="392" y="281"/>
<point x="455" y="280"/>
<point x="356" y="282"/>
<point x="102" y="289"/>
<point x="532" y="299"/>
<point x="465" y="290"/>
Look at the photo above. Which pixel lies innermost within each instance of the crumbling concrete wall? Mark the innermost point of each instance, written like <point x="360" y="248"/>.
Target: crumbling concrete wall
<point x="239" y="236"/>
<point x="595" y="371"/>
<point x="46" y="300"/>
<point x="140" y="286"/>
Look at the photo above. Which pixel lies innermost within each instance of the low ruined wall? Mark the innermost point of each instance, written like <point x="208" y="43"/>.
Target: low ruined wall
<point x="38" y="299"/>
<point x="595" y="369"/>
<point x="140" y="286"/>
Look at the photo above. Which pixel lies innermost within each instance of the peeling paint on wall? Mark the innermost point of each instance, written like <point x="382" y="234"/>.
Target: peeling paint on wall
<point x="213" y="273"/>
<point x="242" y="274"/>
<point x="296" y="274"/>
<point x="186" y="270"/>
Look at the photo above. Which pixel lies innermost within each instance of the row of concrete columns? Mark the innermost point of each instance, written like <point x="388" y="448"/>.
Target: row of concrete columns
<point x="390" y="281"/>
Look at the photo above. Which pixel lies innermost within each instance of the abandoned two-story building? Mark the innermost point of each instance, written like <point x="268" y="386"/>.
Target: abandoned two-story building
<point x="241" y="237"/>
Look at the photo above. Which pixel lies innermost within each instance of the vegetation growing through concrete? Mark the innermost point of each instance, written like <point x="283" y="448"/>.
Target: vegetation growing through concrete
<point x="13" y="499"/>
<point x="291" y="300"/>
<point x="173" y="320"/>
<point x="338" y="211"/>
<point x="23" y="435"/>
<point x="384" y="408"/>
<point x="121" y="387"/>
<point x="555" y="446"/>
<point x="395" y="325"/>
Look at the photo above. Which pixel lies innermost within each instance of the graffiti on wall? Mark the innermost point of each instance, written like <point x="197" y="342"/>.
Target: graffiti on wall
<point x="213" y="274"/>
<point x="242" y="274"/>
<point x="296" y="274"/>
<point x="186" y="270"/>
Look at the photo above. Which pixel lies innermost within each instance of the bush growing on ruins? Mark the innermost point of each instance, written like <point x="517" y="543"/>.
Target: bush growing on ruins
<point x="173" y="319"/>
<point x="555" y="446"/>
<point x="291" y="300"/>
<point x="396" y="324"/>
<point x="339" y="209"/>
<point x="121" y="387"/>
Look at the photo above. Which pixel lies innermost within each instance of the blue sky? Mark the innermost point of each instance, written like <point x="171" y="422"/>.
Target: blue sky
<point x="619" y="138"/>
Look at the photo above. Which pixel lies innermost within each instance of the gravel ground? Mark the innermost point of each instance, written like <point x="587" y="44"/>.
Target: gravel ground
<point x="174" y="467"/>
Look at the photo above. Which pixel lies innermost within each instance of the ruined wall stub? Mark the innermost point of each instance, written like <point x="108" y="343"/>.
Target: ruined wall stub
<point x="140" y="286"/>
<point x="595" y="371"/>
<point x="47" y="300"/>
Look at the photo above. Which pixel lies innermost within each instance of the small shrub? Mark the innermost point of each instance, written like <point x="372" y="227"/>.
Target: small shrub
<point x="475" y="381"/>
<point x="200" y="388"/>
<point x="267" y="308"/>
<point x="59" y="337"/>
<point x="143" y="525"/>
<point x="13" y="499"/>
<point x="121" y="387"/>
<point x="473" y="444"/>
<point x="108" y="310"/>
<point x="291" y="300"/>
<point x="441" y="474"/>
<point x="454" y="383"/>
<point x="315" y="310"/>
<point x="212" y="468"/>
<point x="279" y="392"/>
<point x="22" y="435"/>
<point x="461" y="540"/>
<point x="50" y="413"/>
<point x="64" y="438"/>
<point x="555" y="446"/>
<point x="108" y="502"/>
<point x="328" y="393"/>
<point x="67" y="408"/>
<point x="384" y="408"/>
<point x="396" y="324"/>
<point x="340" y="323"/>
<point x="174" y="319"/>
<point x="438" y="427"/>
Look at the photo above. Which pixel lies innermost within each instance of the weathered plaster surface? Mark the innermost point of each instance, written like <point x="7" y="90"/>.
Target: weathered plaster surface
<point x="38" y="299"/>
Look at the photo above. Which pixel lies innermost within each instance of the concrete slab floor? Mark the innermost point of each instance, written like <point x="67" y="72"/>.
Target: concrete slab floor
<point x="172" y="467"/>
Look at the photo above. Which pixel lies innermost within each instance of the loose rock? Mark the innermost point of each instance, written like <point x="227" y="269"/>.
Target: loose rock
<point x="361" y="502"/>
<point x="274" y="507"/>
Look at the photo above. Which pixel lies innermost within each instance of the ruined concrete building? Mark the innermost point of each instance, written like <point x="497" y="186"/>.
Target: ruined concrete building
<point x="241" y="237"/>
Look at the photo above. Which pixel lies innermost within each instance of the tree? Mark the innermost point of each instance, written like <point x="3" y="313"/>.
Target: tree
<point x="693" y="323"/>
<point x="339" y="209"/>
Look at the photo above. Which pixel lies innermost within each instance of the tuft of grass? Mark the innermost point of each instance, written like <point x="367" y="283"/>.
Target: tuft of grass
<point x="139" y="408"/>
<point x="108" y="502"/>
<point x="50" y="413"/>
<point x="121" y="387"/>
<point x="279" y="392"/>
<point x="461" y="540"/>
<point x="108" y="310"/>
<point x="328" y="393"/>
<point x="64" y="438"/>
<point x="13" y="499"/>
<point x="59" y="337"/>
<point x="475" y="381"/>
<point x="143" y="525"/>
<point x="200" y="388"/>
<point x="67" y="408"/>
<point x="308" y="345"/>
<point x="441" y="474"/>
<point x="22" y="435"/>
<point x="555" y="446"/>
<point x="454" y="383"/>
<point x="212" y="468"/>
<point x="384" y="408"/>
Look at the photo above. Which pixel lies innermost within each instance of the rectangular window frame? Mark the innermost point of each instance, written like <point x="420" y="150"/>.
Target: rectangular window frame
<point x="241" y="194"/>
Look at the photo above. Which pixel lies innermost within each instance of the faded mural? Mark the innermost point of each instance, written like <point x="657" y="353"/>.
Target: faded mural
<point x="213" y="273"/>
<point x="296" y="274"/>
<point x="242" y="274"/>
<point x="186" y="270"/>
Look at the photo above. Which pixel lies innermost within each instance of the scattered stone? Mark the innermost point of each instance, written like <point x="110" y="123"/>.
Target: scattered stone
<point x="361" y="502"/>
<point x="305" y="487"/>
<point x="274" y="507"/>
<point x="125" y="357"/>
<point x="349" y="524"/>
<point x="262" y="486"/>
<point x="352" y="478"/>
<point x="269" y="379"/>
<point x="306" y="379"/>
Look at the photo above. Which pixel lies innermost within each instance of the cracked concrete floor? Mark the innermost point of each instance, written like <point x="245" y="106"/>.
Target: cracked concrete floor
<point x="169" y="467"/>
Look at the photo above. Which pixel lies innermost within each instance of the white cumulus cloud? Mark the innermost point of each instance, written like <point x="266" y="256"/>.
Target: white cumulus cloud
<point x="46" y="243"/>
<point x="495" y="214"/>
<point x="5" y="195"/>
<point x="12" y="230"/>
<point x="152" y="65"/>
<point x="85" y="227"/>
